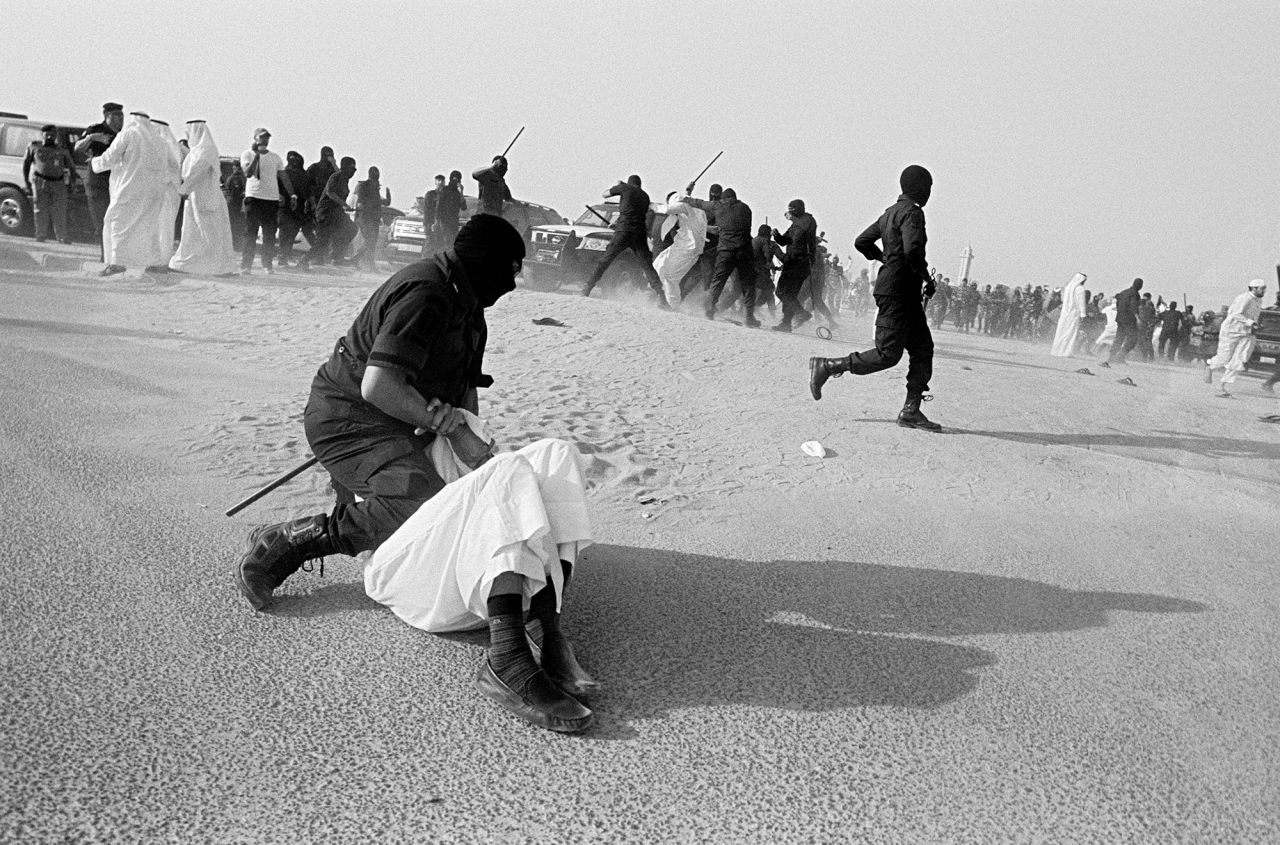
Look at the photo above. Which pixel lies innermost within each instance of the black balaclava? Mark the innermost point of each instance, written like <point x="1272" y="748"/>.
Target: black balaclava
<point x="917" y="184"/>
<point x="633" y="180"/>
<point x="326" y="152"/>
<point x="487" y="246"/>
<point x="763" y="230"/>
<point x="728" y="194"/>
<point x="796" y="207"/>
<point x="500" y="165"/>
<point x="714" y="191"/>
<point x="294" y="158"/>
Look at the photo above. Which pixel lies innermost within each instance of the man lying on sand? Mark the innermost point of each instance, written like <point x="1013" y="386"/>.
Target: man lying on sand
<point x="411" y="360"/>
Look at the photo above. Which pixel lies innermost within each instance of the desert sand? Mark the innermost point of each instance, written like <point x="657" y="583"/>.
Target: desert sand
<point x="1055" y="621"/>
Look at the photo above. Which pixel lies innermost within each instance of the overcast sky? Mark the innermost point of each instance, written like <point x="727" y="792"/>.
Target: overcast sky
<point x="1116" y="139"/>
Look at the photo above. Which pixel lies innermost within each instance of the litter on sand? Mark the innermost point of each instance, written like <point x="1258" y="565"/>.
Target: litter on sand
<point x="813" y="449"/>
<point x="1271" y="418"/>
<point x="548" y="321"/>
<point x="1085" y="371"/>
<point x="1127" y="380"/>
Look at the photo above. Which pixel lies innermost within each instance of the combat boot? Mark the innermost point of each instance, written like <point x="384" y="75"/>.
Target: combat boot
<point x="750" y="320"/>
<point x="821" y="369"/>
<point x="911" y="416"/>
<point x="277" y="551"/>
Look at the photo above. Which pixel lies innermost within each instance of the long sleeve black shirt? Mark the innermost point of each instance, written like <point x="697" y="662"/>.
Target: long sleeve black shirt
<point x="633" y="208"/>
<point x="901" y="230"/>
<point x="801" y="240"/>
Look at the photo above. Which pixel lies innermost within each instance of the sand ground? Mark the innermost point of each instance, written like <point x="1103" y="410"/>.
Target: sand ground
<point x="1056" y="622"/>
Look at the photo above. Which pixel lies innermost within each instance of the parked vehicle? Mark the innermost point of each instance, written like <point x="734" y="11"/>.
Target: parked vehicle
<point x="1267" y="335"/>
<point x="408" y="233"/>
<point x="17" y="132"/>
<point x="566" y="253"/>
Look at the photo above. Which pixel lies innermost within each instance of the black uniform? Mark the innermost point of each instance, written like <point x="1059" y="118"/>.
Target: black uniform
<point x="97" y="188"/>
<point x="733" y="250"/>
<point x="1127" y="302"/>
<point x="801" y="241"/>
<point x="900" y="320"/>
<point x="426" y="322"/>
<point x="296" y="217"/>
<point x="630" y="231"/>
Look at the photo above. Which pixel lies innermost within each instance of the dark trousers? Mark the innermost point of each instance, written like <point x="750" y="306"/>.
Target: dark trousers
<point x="1168" y="345"/>
<point x="382" y="463"/>
<point x="291" y="223"/>
<point x="744" y="261"/>
<point x="638" y="244"/>
<point x="259" y="215"/>
<point x="369" y="249"/>
<point x="50" y="197"/>
<point x="816" y="289"/>
<point x="900" y="326"/>
<point x="1126" y="339"/>
<point x="334" y="234"/>
<point x="790" y="281"/>
<point x="1144" y="342"/>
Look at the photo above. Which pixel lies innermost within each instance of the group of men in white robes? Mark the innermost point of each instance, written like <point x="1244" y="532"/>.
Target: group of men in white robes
<point x="150" y="173"/>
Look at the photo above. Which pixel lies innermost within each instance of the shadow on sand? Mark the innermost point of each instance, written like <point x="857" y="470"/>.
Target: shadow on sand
<point x="667" y="631"/>
<point x="1209" y="447"/>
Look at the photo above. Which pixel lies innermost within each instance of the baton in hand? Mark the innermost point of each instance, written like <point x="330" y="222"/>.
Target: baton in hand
<point x="705" y="169"/>
<point x="513" y="142"/>
<point x="288" y="476"/>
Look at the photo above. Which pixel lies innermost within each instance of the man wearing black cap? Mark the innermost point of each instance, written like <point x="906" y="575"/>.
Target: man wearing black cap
<point x="494" y="192"/>
<point x="801" y="241"/>
<point x="733" y="250"/>
<point x="97" y="188"/>
<point x="901" y="288"/>
<point x="413" y="355"/>
<point x="630" y="231"/>
<point x="48" y="171"/>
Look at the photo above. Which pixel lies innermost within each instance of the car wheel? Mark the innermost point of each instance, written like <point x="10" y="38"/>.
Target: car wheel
<point x="538" y="278"/>
<point x="15" y="212"/>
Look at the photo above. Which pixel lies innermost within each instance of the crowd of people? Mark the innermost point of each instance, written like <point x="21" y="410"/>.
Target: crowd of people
<point x="161" y="203"/>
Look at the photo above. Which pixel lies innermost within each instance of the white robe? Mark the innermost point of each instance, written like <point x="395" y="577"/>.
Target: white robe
<point x="520" y="512"/>
<point x="1108" y="335"/>
<point x="137" y="164"/>
<point x="1068" y="333"/>
<point x="1235" y="339"/>
<point x="170" y="199"/>
<point x="676" y="260"/>
<point x="206" y="224"/>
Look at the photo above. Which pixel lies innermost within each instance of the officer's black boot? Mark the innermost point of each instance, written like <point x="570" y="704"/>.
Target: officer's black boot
<point x="821" y="369"/>
<point x="911" y="417"/>
<point x="277" y="551"/>
<point x="750" y="321"/>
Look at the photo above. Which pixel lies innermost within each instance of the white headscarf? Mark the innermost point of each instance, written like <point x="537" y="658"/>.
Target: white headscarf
<point x="204" y="152"/>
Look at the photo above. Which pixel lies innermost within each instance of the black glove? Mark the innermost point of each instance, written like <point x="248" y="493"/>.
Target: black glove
<point x="930" y="288"/>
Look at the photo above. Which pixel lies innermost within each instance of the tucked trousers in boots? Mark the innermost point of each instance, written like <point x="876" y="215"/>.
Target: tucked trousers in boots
<point x="900" y="326"/>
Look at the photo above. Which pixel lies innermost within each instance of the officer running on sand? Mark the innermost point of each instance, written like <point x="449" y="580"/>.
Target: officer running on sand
<point x="411" y="358"/>
<point x="900" y="320"/>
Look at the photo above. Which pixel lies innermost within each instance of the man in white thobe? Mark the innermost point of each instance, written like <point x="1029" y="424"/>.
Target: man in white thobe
<point x="137" y="164"/>
<point x="170" y="199"/>
<point x="1068" y="333"/>
<point x="676" y="260"/>
<point x="1235" y="339"/>
<point x="206" y="245"/>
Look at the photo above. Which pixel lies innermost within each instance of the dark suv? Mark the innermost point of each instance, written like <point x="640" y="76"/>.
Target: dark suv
<point x="17" y="132"/>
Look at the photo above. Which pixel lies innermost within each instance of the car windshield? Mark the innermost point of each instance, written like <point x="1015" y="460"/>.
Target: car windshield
<point x="591" y="218"/>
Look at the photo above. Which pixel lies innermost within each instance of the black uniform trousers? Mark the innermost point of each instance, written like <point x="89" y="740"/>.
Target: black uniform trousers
<point x="638" y="243"/>
<point x="790" y="280"/>
<point x="1169" y="344"/>
<point x="373" y="456"/>
<point x="1126" y="339"/>
<point x="900" y="326"/>
<point x="291" y="223"/>
<point x="743" y="260"/>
